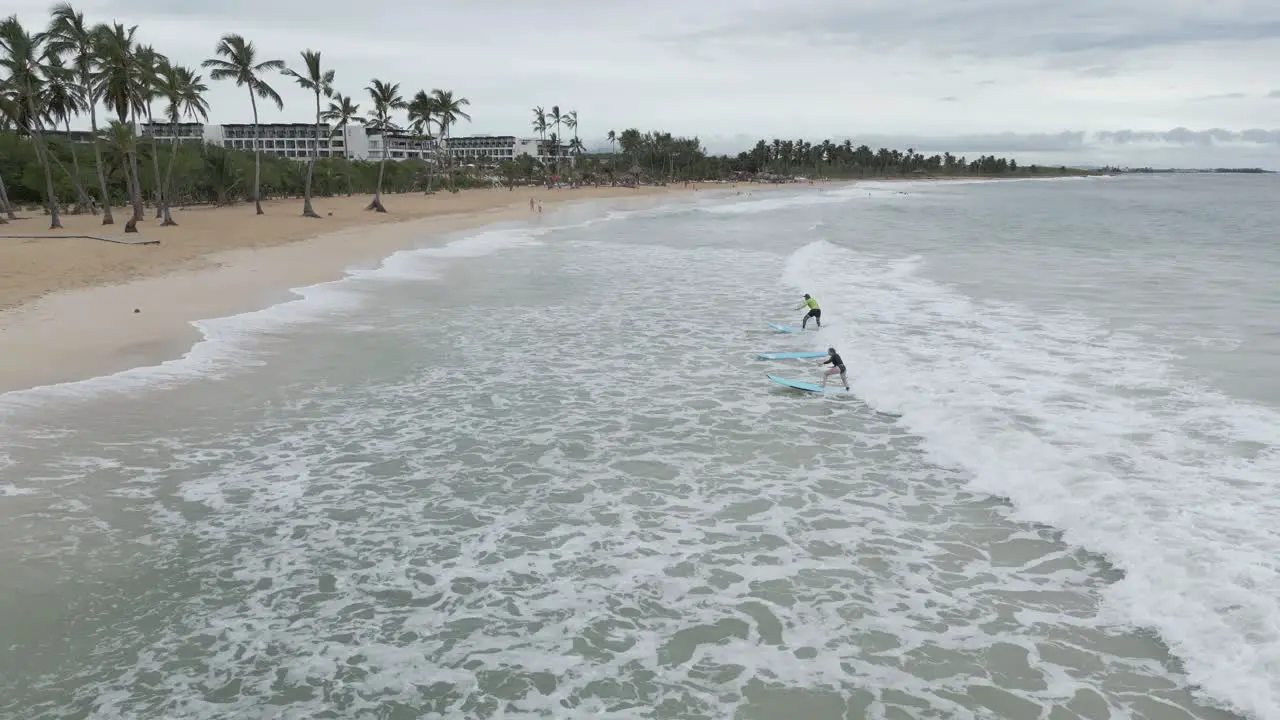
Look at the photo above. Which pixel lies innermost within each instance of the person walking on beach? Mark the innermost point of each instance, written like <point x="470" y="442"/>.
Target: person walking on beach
<point x="837" y="366"/>
<point x="814" y="312"/>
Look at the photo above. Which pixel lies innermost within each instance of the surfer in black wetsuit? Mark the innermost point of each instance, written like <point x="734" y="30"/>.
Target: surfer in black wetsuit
<point x="837" y="366"/>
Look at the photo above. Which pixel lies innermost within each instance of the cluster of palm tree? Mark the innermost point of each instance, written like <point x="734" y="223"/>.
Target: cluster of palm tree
<point x="786" y="156"/>
<point x="544" y="120"/>
<point x="658" y="156"/>
<point x="73" y="68"/>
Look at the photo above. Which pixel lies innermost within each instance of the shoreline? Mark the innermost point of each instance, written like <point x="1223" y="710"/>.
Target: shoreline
<point x="88" y="327"/>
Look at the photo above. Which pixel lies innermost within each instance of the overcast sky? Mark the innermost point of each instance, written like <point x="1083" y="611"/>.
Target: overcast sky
<point x="1038" y="78"/>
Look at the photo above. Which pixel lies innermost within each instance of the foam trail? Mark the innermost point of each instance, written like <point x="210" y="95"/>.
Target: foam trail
<point x="1093" y="433"/>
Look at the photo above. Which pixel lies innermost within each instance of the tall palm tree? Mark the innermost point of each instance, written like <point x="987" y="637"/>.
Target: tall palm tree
<point x="613" y="148"/>
<point x="150" y="67"/>
<point x="341" y="112"/>
<point x="184" y="90"/>
<point x="448" y="112"/>
<point x="422" y="115"/>
<point x="120" y="83"/>
<point x="20" y="55"/>
<point x="540" y="122"/>
<point x="60" y="104"/>
<point x="540" y="127"/>
<point x="556" y="120"/>
<point x="8" y="112"/>
<point x="68" y="35"/>
<point x="571" y="122"/>
<point x="319" y="82"/>
<point x="386" y="98"/>
<point x="242" y="66"/>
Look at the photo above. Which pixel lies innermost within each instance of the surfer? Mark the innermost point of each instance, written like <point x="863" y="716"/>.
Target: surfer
<point x="837" y="366"/>
<point x="814" y="312"/>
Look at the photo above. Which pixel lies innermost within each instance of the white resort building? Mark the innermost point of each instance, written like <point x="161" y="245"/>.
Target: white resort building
<point x="357" y="142"/>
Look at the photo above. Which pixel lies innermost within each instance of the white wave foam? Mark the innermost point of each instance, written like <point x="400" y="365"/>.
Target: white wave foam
<point x="779" y="199"/>
<point x="227" y="342"/>
<point x="700" y="537"/>
<point x="424" y="263"/>
<point x="1092" y="433"/>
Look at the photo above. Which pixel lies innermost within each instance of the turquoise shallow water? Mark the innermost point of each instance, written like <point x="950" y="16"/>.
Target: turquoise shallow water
<point x="539" y="473"/>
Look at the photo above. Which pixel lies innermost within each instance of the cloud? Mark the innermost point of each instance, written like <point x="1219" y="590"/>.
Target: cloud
<point x="1274" y="94"/>
<point x="1011" y="28"/>
<point x="801" y="68"/>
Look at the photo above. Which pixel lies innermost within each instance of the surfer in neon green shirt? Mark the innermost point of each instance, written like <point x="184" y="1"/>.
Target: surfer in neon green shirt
<point x="814" y="312"/>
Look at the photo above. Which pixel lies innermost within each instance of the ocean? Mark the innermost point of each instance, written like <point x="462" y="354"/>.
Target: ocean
<point x="538" y="472"/>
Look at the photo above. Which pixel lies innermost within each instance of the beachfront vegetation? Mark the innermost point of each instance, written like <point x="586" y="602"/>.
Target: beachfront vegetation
<point x="72" y="68"/>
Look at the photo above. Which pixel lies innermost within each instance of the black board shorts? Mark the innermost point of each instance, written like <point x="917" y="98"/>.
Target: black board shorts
<point x="814" y="313"/>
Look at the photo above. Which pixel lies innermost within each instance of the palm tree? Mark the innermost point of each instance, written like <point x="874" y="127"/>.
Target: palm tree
<point x="68" y="35"/>
<point x="242" y="66"/>
<point x="61" y="103"/>
<point x="185" y="92"/>
<point x="422" y="114"/>
<point x="386" y="98"/>
<point x="119" y="83"/>
<point x="540" y="127"/>
<point x="613" y="148"/>
<point x="321" y="83"/>
<point x="20" y="57"/>
<point x="341" y="112"/>
<point x="8" y="113"/>
<point x="448" y="112"/>
<point x="540" y="122"/>
<point x="571" y="122"/>
<point x="150" y="66"/>
<point x="556" y="119"/>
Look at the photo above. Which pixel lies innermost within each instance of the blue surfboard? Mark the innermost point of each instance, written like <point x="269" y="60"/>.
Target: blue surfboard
<point x="809" y="387"/>
<point x="786" y="328"/>
<point x="790" y="355"/>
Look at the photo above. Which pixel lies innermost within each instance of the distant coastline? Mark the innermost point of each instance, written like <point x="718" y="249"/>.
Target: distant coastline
<point x="1196" y="171"/>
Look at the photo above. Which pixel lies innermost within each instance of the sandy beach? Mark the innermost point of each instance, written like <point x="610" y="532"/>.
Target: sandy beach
<point x="67" y="305"/>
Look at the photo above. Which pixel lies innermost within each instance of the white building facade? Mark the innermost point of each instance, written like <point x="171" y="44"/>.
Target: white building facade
<point x="355" y="141"/>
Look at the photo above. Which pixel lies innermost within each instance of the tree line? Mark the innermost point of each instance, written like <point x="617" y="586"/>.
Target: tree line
<point x="74" y="69"/>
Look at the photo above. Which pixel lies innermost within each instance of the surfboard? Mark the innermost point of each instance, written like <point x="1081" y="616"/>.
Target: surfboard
<point x="786" y="328"/>
<point x="790" y="355"/>
<point x="809" y="387"/>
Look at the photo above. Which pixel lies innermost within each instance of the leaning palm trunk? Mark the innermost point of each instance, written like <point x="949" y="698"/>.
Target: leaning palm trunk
<point x="131" y="182"/>
<point x="107" y="219"/>
<point x="431" y="166"/>
<point x="82" y="199"/>
<point x="377" y="193"/>
<point x="136" y="183"/>
<point x="42" y="152"/>
<point x="5" y="206"/>
<point x="257" y="157"/>
<point x="82" y="196"/>
<point x="307" y="210"/>
<point x="166" y="197"/>
<point x="155" y="165"/>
